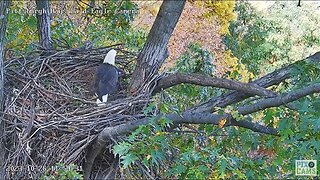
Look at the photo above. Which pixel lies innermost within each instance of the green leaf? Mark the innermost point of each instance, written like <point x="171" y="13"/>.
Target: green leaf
<point x="156" y="156"/>
<point x="269" y="114"/>
<point x="179" y="169"/>
<point x="223" y="165"/>
<point x="128" y="159"/>
<point x="122" y="148"/>
<point x="209" y="129"/>
<point x="149" y="109"/>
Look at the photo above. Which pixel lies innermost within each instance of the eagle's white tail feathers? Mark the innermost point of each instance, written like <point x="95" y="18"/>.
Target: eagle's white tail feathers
<point x="104" y="100"/>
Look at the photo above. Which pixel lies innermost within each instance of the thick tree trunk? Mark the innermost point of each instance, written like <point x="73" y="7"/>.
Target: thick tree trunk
<point x="155" y="50"/>
<point x="43" y="17"/>
<point x="4" y="5"/>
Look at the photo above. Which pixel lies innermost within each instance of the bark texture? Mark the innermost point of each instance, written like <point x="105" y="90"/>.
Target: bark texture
<point x="204" y="80"/>
<point x="4" y="7"/>
<point x="43" y="17"/>
<point x="155" y="50"/>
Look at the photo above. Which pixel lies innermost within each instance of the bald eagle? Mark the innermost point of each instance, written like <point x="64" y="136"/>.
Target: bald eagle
<point x="107" y="75"/>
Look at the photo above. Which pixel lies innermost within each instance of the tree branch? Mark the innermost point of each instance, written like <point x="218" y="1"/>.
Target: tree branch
<point x="280" y="100"/>
<point x="204" y="80"/>
<point x="191" y="117"/>
<point x="256" y="127"/>
<point x="105" y="137"/>
<point x="266" y="81"/>
<point x="185" y="118"/>
<point x="272" y="102"/>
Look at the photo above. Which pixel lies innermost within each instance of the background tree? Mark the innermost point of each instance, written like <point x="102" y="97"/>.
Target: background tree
<point x="4" y="9"/>
<point x="43" y="17"/>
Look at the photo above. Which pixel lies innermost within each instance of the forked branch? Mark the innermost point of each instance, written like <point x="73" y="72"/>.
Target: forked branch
<point x="268" y="80"/>
<point x="190" y="117"/>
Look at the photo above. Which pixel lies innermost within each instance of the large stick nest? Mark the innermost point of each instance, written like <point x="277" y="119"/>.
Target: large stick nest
<point x="50" y="108"/>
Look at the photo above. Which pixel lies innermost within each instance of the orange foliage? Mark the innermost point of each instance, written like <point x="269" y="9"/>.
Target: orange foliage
<point x="191" y="27"/>
<point x="194" y="27"/>
<point x="222" y="122"/>
<point x="262" y="152"/>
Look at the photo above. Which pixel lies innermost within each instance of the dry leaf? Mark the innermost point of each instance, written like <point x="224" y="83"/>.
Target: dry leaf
<point x="222" y="122"/>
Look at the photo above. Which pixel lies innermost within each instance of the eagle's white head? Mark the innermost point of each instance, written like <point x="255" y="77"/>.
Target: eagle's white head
<point x="110" y="57"/>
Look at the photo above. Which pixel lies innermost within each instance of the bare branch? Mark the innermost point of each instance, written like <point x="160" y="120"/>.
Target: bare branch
<point x="255" y="127"/>
<point x="204" y="80"/>
<point x="266" y="81"/>
<point x="280" y="100"/>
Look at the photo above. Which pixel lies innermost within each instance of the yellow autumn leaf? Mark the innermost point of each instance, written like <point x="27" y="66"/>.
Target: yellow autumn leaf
<point x="154" y="10"/>
<point x="148" y="156"/>
<point x="233" y="65"/>
<point x="54" y="23"/>
<point x="222" y="122"/>
<point x="223" y="10"/>
<point x="83" y="4"/>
